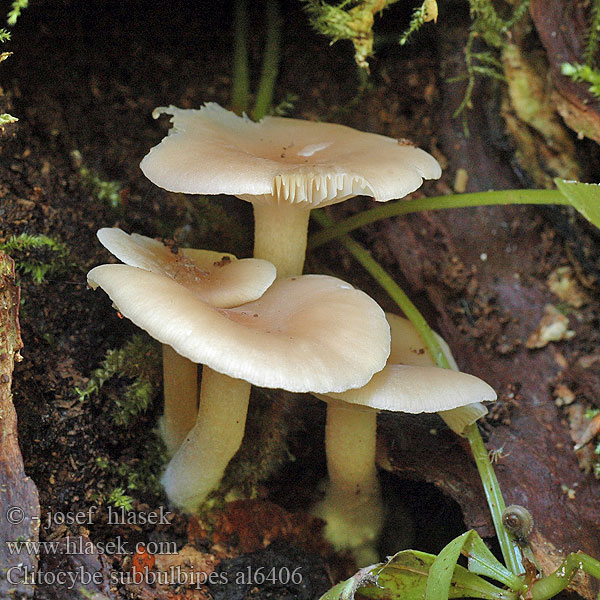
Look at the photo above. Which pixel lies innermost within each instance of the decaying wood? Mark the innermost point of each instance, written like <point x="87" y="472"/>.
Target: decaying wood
<point x="561" y="26"/>
<point x="19" y="506"/>
<point x="484" y="272"/>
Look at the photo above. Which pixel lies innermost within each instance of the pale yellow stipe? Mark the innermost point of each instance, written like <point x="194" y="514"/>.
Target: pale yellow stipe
<point x="180" y="383"/>
<point x="199" y="464"/>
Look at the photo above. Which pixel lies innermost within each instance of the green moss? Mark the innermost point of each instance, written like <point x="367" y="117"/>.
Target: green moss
<point x="138" y="363"/>
<point x="36" y="256"/>
<point x="107" y="192"/>
<point x="120" y="499"/>
<point x="15" y="11"/>
<point x="593" y="35"/>
<point x="421" y="15"/>
<point x="135" y="477"/>
<point x="348" y="20"/>
<point x="583" y="74"/>
<point x="493" y="28"/>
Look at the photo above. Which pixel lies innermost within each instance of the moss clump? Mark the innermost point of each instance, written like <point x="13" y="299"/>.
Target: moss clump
<point x="583" y="74"/>
<point x="348" y="20"/>
<point x="428" y="11"/>
<point x="492" y="27"/>
<point x="107" y="192"/>
<point x="138" y="362"/>
<point x="36" y="256"/>
<point x="15" y="11"/>
<point x="130" y="377"/>
<point x="134" y="478"/>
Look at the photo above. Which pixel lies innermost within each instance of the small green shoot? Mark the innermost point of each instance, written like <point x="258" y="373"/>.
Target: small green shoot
<point x="36" y="256"/>
<point x="422" y="14"/>
<point x="107" y="192"/>
<point x="240" y="85"/>
<point x="240" y="88"/>
<point x="583" y="74"/>
<point x="15" y="11"/>
<point x="120" y="499"/>
<point x="270" y="64"/>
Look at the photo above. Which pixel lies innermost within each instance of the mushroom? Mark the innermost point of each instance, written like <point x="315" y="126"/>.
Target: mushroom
<point x="284" y="167"/>
<point x="310" y="333"/>
<point x="352" y="506"/>
<point x="214" y="277"/>
<point x="408" y="348"/>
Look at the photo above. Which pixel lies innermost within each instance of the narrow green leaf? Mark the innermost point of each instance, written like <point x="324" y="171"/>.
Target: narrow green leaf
<point x="406" y="574"/>
<point x="405" y="577"/>
<point x="347" y="589"/>
<point x="468" y="585"/>
<point x="442" y="569"/>
<point x="584" y="197"/>
<point x="341" y="591"/>
<point x="483" y="562"/>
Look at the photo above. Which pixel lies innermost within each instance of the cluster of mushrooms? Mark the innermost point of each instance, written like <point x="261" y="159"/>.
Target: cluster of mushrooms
<point x="260" y="322"/>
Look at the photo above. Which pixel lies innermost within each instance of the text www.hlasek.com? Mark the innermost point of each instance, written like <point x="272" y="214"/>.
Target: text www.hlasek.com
<point x="81" y="546"/>
<point x="173" y="576"/>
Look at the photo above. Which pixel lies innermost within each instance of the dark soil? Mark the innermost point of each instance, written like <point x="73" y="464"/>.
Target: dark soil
<point x="85" y="77"/>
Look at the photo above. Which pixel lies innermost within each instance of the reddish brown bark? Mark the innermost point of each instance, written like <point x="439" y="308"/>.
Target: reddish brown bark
<point x="19" y="506"/>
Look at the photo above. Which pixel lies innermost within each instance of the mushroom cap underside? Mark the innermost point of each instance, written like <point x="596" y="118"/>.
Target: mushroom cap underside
<point x="214" y="151"/>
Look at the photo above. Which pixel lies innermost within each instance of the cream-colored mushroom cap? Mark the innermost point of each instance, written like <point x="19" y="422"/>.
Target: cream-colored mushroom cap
<point x="409" y="383"/>
<point x="310" y="333"/>
<point x="411" y="389"/>
<point x="408" y="348"/>
<point x="213" y="151"/>
<point x="217" y="278"/>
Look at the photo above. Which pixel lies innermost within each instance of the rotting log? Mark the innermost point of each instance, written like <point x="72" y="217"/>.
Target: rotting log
<point x="561" y="26"/>
<point x="19" y="505"/>
<point x="483" y="273"/>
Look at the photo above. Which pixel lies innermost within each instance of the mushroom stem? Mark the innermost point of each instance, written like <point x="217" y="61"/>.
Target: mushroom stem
<point x="180" y="385"/>
<point x="199" y="464"/>
<point x="352" y="507"/>
<point x="280" y="235"/>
